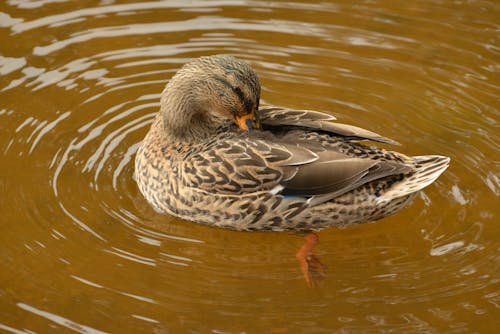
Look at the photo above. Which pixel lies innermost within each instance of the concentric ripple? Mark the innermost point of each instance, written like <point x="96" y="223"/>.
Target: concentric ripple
<point x="81" y="249"/>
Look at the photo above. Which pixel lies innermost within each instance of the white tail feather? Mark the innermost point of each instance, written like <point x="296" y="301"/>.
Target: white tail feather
<point x="427" y="170"/>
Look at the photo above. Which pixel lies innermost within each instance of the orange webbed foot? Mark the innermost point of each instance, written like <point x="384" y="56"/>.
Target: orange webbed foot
<point x="310" y="265"/>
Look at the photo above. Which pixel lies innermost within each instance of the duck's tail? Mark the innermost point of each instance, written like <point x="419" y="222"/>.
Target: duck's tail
<point x="427" y="170"/>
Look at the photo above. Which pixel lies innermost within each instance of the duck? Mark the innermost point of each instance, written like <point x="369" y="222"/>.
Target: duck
<point x="214" y="156"/>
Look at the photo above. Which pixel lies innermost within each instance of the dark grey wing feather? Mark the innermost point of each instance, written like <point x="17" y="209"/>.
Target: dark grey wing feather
<point x="315" y="120"/>
<point x="325" y="177"/>
<point x="334" y="174"/>
<point x="377" y="171"/>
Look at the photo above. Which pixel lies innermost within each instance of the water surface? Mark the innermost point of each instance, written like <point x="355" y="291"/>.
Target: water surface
<point x="81" y="250"/>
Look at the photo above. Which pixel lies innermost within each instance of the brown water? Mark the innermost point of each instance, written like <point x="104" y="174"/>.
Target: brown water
<point x="81" y="250"/>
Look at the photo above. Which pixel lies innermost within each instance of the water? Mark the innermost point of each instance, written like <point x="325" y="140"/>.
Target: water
<point x="81" y="250"/>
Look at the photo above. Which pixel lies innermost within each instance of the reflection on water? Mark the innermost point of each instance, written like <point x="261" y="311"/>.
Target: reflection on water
<point x="81" y="251"/>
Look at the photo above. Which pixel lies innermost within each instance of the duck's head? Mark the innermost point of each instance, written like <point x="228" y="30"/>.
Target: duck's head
<point x="209" y="89"/>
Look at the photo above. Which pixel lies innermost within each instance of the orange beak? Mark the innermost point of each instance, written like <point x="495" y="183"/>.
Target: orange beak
<point x="248" y="121"/>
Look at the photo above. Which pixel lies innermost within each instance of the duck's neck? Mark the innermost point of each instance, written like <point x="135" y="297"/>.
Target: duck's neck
<point x="185" y="117"/>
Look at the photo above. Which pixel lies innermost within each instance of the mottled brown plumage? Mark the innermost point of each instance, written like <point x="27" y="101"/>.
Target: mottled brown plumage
<point x="299" y="171"/>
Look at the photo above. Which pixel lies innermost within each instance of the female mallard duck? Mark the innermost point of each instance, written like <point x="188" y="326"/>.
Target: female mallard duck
<point x="214" y="157"/>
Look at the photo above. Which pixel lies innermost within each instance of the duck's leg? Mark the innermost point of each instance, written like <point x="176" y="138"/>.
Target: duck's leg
<point x="311" y="267"/>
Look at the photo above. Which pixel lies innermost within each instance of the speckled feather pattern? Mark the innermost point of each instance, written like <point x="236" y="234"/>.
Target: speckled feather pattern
<point x="300" y="172"/>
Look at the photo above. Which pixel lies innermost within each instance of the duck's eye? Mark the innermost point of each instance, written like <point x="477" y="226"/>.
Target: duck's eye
<point x="237" y="91"/>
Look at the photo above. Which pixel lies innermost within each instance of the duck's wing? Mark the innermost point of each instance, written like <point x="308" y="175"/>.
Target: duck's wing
<point x="271" y="116"/>
<point x="249" y="165"/>
<point x="239" y="166"/>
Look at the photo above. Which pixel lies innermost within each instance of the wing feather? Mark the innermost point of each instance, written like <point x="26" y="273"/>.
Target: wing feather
<point x="315" y="120"/>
